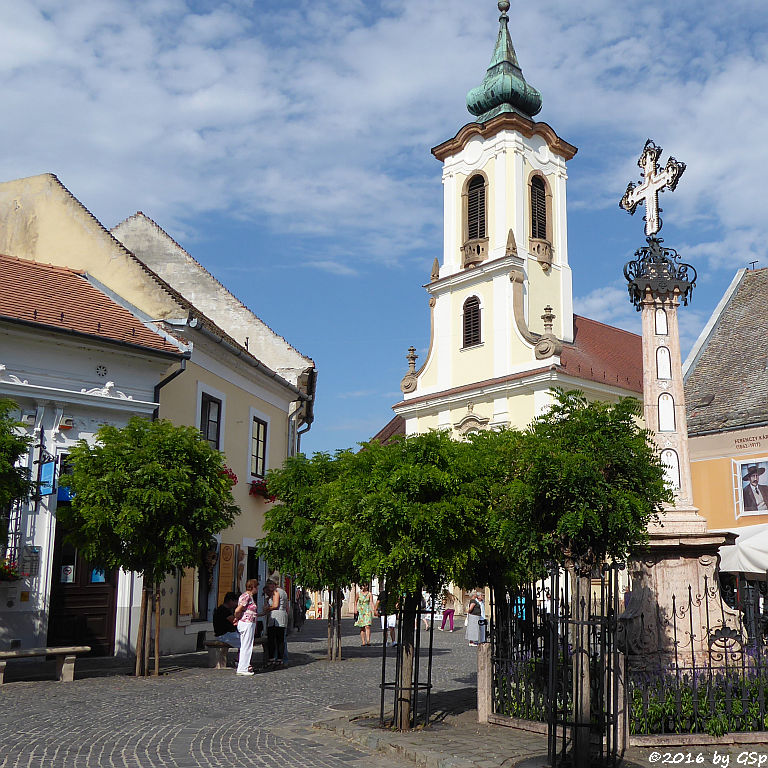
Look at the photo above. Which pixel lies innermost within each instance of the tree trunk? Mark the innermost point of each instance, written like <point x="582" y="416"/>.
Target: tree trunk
<point x="140" y="634"/>
<point x="339" y="601"/>
<point x="405" y="679"/>
<point x="157" y="630"/>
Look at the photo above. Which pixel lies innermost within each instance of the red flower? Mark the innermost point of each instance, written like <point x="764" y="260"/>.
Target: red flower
<point x="230" y="474"/>
<point x="259" y="488"/>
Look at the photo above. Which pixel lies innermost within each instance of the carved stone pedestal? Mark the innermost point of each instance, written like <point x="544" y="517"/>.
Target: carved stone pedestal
<point x="676" y="616"/>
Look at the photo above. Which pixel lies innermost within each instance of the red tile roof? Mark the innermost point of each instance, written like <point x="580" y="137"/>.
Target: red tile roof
<point x="63" y="299"/>
<point x="599" y="353"/>
<point x="604" y="354"/>
<point x="395" y="426"/>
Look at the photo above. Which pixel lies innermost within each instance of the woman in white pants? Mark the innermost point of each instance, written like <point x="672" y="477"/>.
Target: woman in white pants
<point x="246" y="613"/>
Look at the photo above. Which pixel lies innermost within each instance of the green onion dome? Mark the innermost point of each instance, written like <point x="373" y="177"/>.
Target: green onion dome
<point x="504" y="88"/>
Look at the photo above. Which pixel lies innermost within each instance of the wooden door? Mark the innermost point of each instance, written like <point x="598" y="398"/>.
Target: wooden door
<point x="83" y="601"/>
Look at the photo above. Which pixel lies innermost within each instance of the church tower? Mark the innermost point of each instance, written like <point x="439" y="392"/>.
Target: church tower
<point x="503" y="330"/>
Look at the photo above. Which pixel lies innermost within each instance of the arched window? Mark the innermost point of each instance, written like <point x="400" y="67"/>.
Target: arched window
<point x="663" y="363"/>
<point x="661" y="322"/>
<point x="476" y="208"/>
<point x="666" y="413"/>
<point x="538" y="209"/>
<point x="671" y="468"/>
<point x="471" y="321"/>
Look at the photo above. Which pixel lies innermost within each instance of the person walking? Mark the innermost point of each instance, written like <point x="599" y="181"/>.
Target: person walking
<point x="364" y="614"/>
<point x="246" y="614"/>
<point x="449" y="609"/>
<point x="276" y="610"/>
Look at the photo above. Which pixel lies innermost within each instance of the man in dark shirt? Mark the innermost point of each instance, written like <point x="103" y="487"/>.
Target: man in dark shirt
<point x="225" y="623"/>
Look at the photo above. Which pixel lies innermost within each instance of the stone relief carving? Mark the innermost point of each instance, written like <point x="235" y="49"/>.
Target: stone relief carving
<point x="10" y="378"/>
<point x="542" y="251"/>
<point x="108" y="390"/>
<point x="471" y="422"/>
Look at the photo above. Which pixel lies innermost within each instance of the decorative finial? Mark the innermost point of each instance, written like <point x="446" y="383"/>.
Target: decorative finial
<point x="408" y="384"/>
<point x="548" y="318"/>
<point x="504" y="88"/>
<point x="411" y="357"/>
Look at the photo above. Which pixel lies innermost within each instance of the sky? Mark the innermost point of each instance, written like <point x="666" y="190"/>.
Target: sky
<point x="286" y="146"/>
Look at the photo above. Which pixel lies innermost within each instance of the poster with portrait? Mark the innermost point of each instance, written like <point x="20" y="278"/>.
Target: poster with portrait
<point x="751" y="487"/>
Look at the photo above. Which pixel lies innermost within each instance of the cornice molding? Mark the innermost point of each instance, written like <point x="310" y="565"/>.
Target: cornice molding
<point x="485" y="269"/>
<point x="505" y="121"/>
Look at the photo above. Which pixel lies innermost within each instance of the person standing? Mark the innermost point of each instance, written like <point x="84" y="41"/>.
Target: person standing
<point x="246" y="614"/>
<point x="276" y="610"/>
<point x="475" y="612"/>
<point x="388" y="621"/>
<point x="364" y="614"/>
<point x="449" y="609"/>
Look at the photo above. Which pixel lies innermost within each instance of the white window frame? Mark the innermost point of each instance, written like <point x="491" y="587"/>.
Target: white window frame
<point x="204" y="388"/>
<point x="257" y="414"/>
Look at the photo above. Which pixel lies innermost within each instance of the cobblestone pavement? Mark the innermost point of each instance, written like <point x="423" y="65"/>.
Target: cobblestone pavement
<point x="196" y="717"/>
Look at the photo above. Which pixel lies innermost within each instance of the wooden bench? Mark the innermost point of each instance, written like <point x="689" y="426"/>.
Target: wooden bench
<point x="65" y="659"/>
<point x="217" y="651"/>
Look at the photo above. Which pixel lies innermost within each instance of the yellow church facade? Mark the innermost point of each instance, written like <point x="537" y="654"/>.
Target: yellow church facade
<point x="503" y="330"/>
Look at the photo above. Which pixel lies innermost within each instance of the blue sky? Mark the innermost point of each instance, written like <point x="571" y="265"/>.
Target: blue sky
<point x="286" y="146"/>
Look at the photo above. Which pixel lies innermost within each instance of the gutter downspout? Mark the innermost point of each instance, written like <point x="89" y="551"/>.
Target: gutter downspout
<point x="310" y="409"/>
<point x="167" y="380"/>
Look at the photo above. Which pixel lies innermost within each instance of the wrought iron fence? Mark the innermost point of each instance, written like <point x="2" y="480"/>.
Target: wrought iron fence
<point x="555" y="661"/>
<point x="714" y="679"/>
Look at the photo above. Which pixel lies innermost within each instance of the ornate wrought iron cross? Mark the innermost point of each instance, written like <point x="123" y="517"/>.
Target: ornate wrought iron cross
<point x="653" y="182"/>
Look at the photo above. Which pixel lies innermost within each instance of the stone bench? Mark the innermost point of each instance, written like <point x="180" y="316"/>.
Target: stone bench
<point x="217" y="651"/>
<point x="65" y="659"/>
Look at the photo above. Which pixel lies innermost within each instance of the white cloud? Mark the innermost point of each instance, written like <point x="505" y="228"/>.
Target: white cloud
<point x="316" y="118"/>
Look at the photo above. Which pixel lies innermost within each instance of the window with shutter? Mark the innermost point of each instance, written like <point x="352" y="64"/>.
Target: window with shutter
<point x="538" y="209"/>
<point x="471" y="321"/>
<point x="476" y="208"/>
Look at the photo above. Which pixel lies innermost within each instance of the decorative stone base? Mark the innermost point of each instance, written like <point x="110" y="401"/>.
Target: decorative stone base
<point x="675" y="613"/>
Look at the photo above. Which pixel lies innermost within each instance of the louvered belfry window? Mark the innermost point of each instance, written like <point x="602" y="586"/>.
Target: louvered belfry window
<point x="476" y="208"/>
<point x="471" y="321"/>
<point x="538" y="209"/>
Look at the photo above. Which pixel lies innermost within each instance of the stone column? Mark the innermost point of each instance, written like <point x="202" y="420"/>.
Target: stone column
<point x="675" y="608"/>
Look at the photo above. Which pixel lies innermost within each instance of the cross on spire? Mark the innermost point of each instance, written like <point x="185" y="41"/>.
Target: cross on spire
<point x="654" y="181"/>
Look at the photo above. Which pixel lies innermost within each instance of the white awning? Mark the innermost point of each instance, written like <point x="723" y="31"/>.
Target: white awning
<point x="749" y="554"/>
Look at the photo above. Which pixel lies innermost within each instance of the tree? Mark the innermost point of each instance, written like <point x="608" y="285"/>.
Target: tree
<point x="594" y="481"/>
<point x="15" y="483"/>
<point x="302" y="532"/>
<point x="148" y="497"/>
<point x="405" y="510"/>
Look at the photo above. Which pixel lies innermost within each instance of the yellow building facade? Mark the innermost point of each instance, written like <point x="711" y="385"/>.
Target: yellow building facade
<point x="248" y="390"/>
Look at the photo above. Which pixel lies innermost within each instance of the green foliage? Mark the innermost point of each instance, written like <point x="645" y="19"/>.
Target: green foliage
<point x="583" y="481"/>
<point x="594" y="479"/>
<point x="303" y="530"/>
<point x="148" y="497"/>
<point x="15" y="482"/>
<point x="408" y="510"/>
<point x="712" y="703"/>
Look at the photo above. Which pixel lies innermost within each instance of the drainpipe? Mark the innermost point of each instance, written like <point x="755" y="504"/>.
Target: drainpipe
<point x="310" y="406"/>
<point x="167" y="380"/>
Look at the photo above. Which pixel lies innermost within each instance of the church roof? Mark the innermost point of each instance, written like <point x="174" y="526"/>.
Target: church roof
<point x="605" y="354"/>
<point x="62" y="299"/>
<point x="504" y="88"/>
<point x="395" y="426"/>
<point x="599" y="353"/>
<point x="726" y="375"/>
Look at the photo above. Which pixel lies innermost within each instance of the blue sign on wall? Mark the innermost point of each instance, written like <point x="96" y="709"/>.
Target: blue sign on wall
<point x="47" y="478"/>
